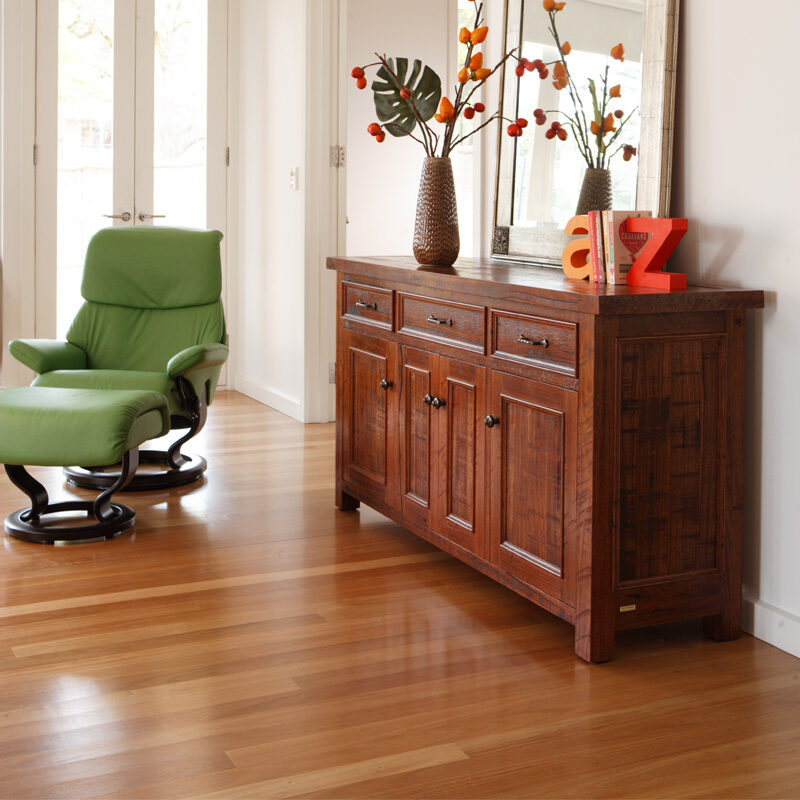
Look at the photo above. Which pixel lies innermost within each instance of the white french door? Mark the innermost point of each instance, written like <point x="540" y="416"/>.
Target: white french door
<point x="131" y="129"/>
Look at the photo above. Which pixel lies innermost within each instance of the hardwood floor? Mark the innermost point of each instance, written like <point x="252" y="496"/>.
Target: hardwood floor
<point x="250" y="641"/>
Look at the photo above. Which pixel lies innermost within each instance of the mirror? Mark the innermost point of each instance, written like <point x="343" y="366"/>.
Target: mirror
<point x="539" y="179"/>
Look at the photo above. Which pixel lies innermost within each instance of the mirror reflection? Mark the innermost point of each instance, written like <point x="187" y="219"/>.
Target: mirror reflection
<point x="540" y="187"/>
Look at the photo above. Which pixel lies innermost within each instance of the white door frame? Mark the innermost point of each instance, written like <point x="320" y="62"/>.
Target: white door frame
<point x="133" y="132"/>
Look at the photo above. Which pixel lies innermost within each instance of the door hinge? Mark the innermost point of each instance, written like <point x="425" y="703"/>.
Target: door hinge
<point x="337" y="155"/>
<point x="35" y="154"/>
<point x="227" y="156"/>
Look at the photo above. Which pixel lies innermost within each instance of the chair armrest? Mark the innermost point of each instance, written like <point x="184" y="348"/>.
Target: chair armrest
<point x="199" y="357"/>
<point x="45" y="355"/>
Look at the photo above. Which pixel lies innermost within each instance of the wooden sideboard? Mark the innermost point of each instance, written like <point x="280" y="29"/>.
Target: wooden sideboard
<point x="580" y="444"/>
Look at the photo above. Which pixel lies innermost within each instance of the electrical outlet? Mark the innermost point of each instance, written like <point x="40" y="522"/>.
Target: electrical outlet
<point x="332" y="372"/>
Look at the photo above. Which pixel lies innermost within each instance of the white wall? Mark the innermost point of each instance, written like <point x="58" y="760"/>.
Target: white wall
<point x="268" y="217"/>
<point x="736" y="178"/>
<point x="382" y="179"/>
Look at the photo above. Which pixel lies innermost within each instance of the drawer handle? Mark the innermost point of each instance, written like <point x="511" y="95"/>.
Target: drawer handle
<point x="523" y="339"/>
<point x="385" y="384"/>
<point x="368" y="306"/>
<point x="428" y="400"/>
<point x="436" y="402"/>
<point x="490" y="421"/>
<point x="436" y="321"/>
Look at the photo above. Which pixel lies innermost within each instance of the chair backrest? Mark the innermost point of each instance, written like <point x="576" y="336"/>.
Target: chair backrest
<point x="149" y="293"/>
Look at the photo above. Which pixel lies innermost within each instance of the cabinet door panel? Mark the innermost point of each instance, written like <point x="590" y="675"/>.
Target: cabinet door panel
<point x="460" y="453"/>
<point x="532" y="484"/>
<point x="368" y="460"/>
<point x="416" y="379"/>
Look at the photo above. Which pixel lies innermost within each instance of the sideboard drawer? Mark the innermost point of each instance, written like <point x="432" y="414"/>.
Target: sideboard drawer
<point x="545" y="343"/>
<point x="454" y="323"/>
<point x="367" y="304"/>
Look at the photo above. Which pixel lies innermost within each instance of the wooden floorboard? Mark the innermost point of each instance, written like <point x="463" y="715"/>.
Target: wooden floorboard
<point x="250" y="641"/>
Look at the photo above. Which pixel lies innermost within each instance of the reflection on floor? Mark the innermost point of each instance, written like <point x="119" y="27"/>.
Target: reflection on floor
<point x="250" y="641"/>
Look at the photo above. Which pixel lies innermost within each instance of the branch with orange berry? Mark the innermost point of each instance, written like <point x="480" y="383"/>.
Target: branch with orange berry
<point x="589" y="133"/>
<point x="406" y="101"/>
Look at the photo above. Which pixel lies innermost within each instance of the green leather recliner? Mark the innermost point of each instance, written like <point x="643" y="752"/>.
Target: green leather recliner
<point x="152" y="319"/>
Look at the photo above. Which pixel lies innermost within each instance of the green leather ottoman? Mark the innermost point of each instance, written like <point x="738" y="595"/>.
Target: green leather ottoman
<point x="58" y="427"/>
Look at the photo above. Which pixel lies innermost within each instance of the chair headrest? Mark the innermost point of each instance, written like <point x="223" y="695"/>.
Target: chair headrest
<point x="153" y="267"/>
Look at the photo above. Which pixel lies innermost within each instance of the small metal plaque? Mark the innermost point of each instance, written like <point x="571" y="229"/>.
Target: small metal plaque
<point x="623" y="609"/>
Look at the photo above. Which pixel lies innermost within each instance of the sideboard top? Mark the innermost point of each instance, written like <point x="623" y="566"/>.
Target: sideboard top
<point x="497" y="279"/>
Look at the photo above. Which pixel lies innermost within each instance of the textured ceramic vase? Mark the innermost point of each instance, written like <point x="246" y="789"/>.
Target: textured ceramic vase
<point x="595" y="191"/>
<point x="436" y="241"/>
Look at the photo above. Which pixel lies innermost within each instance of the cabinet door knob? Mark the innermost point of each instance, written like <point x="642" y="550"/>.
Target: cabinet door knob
<point x="385" y="384"/>
<point x="437" y="402"/>
<point x="428" y="400"/>
<point x="490" y="421"/>
<point x="523" y="339"/>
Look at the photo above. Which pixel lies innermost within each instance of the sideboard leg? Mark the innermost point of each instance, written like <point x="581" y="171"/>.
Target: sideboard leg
<point x="346" y="502"/>
<point x="594" y="640"/>
<point x="723" y="627"/>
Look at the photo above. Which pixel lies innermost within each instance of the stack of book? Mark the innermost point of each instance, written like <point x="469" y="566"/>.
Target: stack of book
<point x="613" y="247"/>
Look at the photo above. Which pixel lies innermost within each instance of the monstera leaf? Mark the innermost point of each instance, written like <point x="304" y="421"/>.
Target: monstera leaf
<point x="425" y="87"/>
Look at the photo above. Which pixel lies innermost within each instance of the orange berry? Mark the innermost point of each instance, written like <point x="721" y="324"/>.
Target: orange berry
<point x="469" y="112"/>
<point x="522" y="122"/>
<point x="380" y="137"/>
<point x="361" y="83"/>
<point x="550" y="133"/>
<point x="619" y="113"/>
<point x="373" y="129"/>
<point x="479" y="35"/>
<point x="530" y="66"/>
<point x="405" y="94"/>
<point x="446" y="110"/>
<point x="463" y="75"/>
<point x="562" y="134"/>
<point x="618" y="52"/>
<point x="544" y="72"/>
<point x="615" y="91"/>
<point x="357" y="72"/>
<point x="480" y="107"/>
<point x="464" y="35"/>
<point x="520" y="70"/>
<point x="476" y="62"/>
<point x="481" y="74"/>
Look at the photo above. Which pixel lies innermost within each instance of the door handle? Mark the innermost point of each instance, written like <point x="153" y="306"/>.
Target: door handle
<point x="144" y="217"/>
<point x="385" y="384"/>
<point x="437" y="402"/>
<point x="124" y="216"/>
<point x="490" y="421"/>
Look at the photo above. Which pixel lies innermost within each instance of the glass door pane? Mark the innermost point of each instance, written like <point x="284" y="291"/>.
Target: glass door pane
<point x="180" y="112"/>
<point x="85" y="140"/>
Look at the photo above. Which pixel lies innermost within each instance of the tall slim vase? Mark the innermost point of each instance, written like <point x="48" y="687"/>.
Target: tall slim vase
<point x="436" y="240"/>
<point x="595" y="191"/>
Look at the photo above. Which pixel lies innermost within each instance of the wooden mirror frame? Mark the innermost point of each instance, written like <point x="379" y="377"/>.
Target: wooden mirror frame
<point x="654" y="177"/>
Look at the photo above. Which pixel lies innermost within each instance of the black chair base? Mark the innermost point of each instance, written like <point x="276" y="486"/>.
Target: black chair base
<point x="19" y="526"/>
<point x="110" y="518"/>
<point x="190" y="470"/>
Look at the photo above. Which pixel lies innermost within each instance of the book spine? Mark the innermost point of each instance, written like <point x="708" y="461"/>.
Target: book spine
<point x="600" y="244"/>
<point x="595" y="253"/>
<point x="607" y="242"/>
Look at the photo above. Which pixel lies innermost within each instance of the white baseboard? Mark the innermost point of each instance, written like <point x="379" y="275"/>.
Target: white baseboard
<point x="280" y="401"/>
<point x="772" y="625"/>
